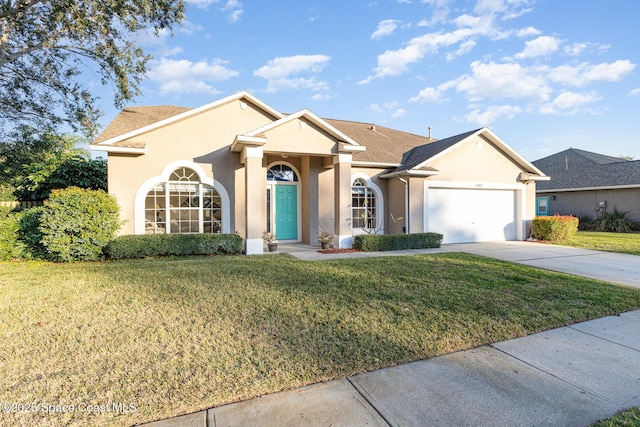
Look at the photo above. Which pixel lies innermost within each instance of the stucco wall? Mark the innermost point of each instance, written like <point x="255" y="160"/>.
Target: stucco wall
<point x="203" y="139"/>
<point x="476" y="160"/>
<point x="586" y="203"/>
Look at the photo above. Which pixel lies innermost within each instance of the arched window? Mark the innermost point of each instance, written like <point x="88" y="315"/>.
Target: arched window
<point x="281" y="173"/>
<point x="193" y="207"/>
<point x="364" y="209"/>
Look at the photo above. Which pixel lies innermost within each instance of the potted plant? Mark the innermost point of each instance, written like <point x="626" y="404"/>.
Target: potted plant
<point x="325" y="238"/>
<point x="270" y="239"/>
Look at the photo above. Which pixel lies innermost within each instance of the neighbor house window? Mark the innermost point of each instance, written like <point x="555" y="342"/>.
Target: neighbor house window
<point x="542" y="206"/>
<point x="363" y="205"/>
<point x="183" y="204"/>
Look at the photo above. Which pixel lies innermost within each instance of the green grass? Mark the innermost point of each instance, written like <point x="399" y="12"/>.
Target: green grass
<point x="626" y="243"/>
<point x="629" y="418"/>
<point x="174" y="336"/>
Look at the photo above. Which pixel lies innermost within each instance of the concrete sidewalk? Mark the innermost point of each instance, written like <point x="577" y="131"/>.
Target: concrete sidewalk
<point x="572" y="376"/>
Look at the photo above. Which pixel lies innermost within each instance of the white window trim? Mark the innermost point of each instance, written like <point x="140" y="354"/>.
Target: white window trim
<point x="141" y="194"/>
<point x="379" y="200"/>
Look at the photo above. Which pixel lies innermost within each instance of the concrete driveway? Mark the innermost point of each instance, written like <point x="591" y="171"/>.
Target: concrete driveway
<point x="607" y="266"/>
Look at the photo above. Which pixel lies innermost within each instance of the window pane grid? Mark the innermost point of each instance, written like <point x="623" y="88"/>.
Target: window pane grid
<point x="363" y="205"/>
<point x="193" y="207"/>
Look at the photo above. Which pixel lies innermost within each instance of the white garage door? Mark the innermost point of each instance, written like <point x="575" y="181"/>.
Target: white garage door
<point x="470" y="215"/>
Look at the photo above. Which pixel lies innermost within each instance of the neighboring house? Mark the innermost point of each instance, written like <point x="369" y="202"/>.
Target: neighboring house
<point x="238" y="165"/>
<point x="586" y="184"/>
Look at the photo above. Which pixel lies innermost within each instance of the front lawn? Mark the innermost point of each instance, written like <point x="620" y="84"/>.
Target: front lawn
<point x="163" y="337"/>
<point x="626" y="243"/>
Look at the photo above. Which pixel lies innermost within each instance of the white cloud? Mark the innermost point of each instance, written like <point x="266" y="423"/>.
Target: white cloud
<point x="528" y="32"/>
<point x="183" y="76"/>
<point x="279" y="72"/>
<point x="400" y="112"/>
<point x="396" y="62"/>
<point x="427" y="95"/>
<point x="612" y="72"/>
<point x="496" y="81"/>
<point x="464" y="48"/>
<point x="321" y="97"/>
<point x="391" y="108"/>
<point x="541" y="46"/>
<point x="577" y="49"/>
<point x="509" y="9"/>
<point x="569" y="103"/>
<point x="232" y="7"/>
<point x="585" y="73"/>
<point x="385" y="28"/>
<point x="203" y="4"/>
<point x="635" y="92"/>
<point x="491" y="114"/>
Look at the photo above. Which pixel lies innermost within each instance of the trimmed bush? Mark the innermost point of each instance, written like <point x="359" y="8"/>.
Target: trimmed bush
<point x="149" y="245"/>
<point x="394" y="242"/>
<point x="76" y="224"/>
<point x="554" y="228"/>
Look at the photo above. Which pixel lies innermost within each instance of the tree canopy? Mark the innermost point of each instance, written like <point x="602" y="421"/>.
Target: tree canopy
<point x="32" y="163"/>
<point x="45" y="45"/>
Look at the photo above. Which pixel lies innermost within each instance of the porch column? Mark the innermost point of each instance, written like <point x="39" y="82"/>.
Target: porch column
<point x="254" y="194"/>
<point x="342" y="194"/>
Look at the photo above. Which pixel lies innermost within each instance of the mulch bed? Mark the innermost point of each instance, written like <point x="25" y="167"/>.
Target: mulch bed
<point x="338" y="251"/>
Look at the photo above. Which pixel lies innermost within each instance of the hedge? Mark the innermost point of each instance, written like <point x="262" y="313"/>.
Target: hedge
<point x="554" y="228"/>
<point x="394" y="242"/>
<point x="149" y="245"/>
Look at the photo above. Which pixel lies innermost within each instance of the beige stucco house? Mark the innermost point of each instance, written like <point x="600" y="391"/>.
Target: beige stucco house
<point x="238" y="165"/>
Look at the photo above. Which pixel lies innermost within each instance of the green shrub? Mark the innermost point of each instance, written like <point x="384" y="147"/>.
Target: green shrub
<point x="148" y="245"/>
<point x="29" y="232"/>
<point x="614" y="222"/>
<point x="76" y="224"/>
<point x="554" y="228"/>
<point x="394" y="242"/>
<point x="10" y="245"/>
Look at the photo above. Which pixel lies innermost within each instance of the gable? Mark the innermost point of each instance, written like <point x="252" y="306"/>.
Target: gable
<point x="470" y="156"/>
<point x="134" y="125"/>
<point x="302" y="133"/>
<point x="477" y="159"/>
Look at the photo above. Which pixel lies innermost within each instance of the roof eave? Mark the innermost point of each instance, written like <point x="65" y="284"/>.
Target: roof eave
<point x="525" y="177"/>
<point x="118" y="149"/>
<point x="410" y="172"/>
<point x="609" y="187"/>
<point x="241" y="141"/>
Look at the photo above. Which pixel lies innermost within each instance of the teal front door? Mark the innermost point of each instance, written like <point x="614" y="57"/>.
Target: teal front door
<point x="286" y="212"/>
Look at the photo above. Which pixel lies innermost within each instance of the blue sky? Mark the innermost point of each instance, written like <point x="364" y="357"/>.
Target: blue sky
<point x="545" y="75"/>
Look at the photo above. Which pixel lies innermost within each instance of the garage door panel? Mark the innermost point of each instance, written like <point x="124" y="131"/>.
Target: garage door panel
<point x="470" y="215"/>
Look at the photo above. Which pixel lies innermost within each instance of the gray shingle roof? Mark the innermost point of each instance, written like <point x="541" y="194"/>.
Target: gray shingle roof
<point x="575" y="168"/>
